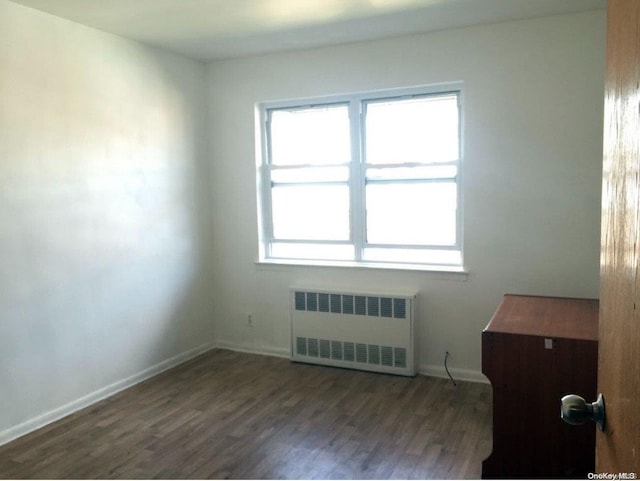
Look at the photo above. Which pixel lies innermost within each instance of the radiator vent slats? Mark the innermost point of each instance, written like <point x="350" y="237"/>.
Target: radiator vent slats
<point x="312" y="301"/>
<point x="336" y="305"/>
<point x="301" y="346"/>
<point x="349" y="350"/>
<point x="386" y="356"/>
<point x="300" y="301"/>
<point x="323" y="302"/>
<point x="399" y="357"/>
<point x="386" y="307"/>
<point x="313" y="348"/>
<point x="373" y="304"/>
<point x="374" y="354"/>
<point x="360" y="330"/>
<point x="361" y="305"/>
<point x="325" y="351"/>
<point x="336" y="350"/>
<point x="348" y="304"/>
<point x="399" y="308"/>
<point x="352" y="352"/>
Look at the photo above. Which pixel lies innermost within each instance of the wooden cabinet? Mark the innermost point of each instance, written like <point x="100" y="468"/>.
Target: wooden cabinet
<point x="534" y="351"/>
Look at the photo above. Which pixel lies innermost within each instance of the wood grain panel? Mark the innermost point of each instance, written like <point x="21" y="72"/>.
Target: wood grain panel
<point x="556" y="317"/>
<point x="618" y="448"/>
<point x="529" y="378"/>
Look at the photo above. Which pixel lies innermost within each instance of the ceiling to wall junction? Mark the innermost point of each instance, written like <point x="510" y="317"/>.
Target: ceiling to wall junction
<point x="217" y="29"/>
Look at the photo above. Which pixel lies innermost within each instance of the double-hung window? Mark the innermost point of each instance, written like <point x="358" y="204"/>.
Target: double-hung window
<point x="366" y="179"/>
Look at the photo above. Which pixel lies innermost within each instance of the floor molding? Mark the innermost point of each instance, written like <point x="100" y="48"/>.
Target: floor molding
<point x="424" y="369"/>
<point x="60" y="412"/>
<point x="252" y="349"/>
<point x="457" y="374"/>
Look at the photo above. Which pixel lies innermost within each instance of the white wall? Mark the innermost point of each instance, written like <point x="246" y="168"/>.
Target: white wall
<point x="532" y="173"/>
<point x="103" y="236"/>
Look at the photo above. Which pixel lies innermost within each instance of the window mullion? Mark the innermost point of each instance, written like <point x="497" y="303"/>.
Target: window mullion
<point x="265" y="178"/>
<point x="356" y="179"/>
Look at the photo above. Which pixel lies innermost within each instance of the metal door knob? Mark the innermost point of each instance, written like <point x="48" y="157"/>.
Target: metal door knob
<point x="575" y="410"/>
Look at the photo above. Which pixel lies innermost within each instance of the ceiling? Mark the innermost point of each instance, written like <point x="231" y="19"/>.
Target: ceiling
<point x="217" y="29"/>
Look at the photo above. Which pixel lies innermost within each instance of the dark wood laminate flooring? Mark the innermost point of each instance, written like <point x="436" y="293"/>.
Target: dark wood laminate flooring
<point x="234" y="415"/>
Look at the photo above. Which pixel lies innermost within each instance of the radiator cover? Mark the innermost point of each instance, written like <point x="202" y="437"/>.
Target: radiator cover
<point x="369" y="331"/>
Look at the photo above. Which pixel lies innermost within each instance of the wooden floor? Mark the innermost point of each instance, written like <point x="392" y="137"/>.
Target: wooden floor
<point x="232" y="415"/>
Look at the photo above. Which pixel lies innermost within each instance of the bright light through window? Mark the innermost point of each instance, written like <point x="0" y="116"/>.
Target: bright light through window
<point x="364" y="178"/>
<point x="413" y="213"/>
<point x="311" y="211"/>
<point x="421" y="130"/>
<point x="316" y="136"/>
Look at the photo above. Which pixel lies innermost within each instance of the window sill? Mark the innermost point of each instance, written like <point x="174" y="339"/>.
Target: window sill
<point x="436" y="272"/>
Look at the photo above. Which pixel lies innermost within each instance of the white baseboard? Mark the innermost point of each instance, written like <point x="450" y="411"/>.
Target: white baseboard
<point x="424" y="369"/>
<point x="457" y="374"/>
<point x="252" y="349"/>
<point x="58" y="413"/>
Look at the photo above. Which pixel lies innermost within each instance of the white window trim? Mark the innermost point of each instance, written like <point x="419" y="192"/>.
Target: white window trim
<point x="356" y="181"/>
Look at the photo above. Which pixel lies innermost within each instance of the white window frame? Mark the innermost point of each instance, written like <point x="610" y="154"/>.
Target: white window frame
<point x="356" y="181"/>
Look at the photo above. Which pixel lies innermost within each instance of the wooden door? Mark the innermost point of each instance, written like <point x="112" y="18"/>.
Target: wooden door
<point x="618" y="447"/>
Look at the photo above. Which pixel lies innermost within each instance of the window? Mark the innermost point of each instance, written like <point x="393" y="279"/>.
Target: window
<point x="369" y="178"/>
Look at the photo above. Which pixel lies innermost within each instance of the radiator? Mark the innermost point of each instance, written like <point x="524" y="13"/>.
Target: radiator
<point x="360" y="330"/>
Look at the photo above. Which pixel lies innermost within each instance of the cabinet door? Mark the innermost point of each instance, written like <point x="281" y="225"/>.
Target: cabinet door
<point x="575" y="369"/>
<point x="519" y="369"/>
<point x="529" y="375"/>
